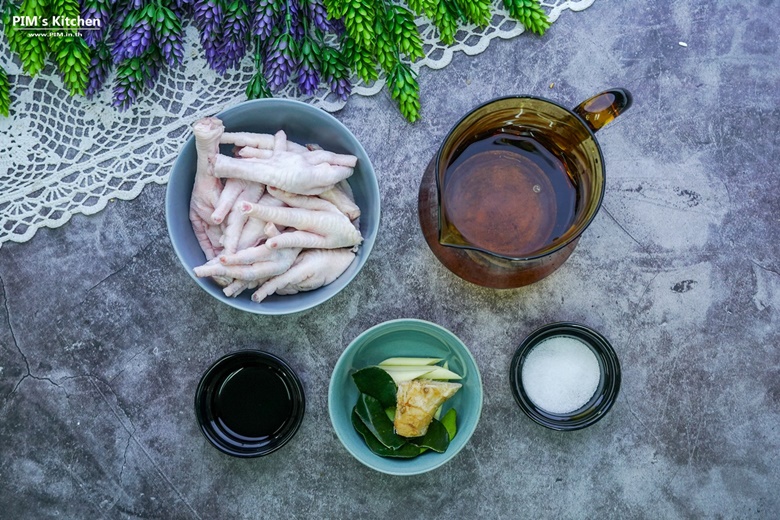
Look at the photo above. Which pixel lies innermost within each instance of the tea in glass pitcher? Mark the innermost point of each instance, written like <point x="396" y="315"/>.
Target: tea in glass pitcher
<point x="513" y="186"/>
<point x="507" y="192"/>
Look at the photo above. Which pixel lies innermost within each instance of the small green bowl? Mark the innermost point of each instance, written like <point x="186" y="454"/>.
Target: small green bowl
<point x="404" y="338"/>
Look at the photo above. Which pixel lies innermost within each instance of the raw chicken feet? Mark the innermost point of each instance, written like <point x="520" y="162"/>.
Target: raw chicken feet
<point x="207" y="189"/>
<point x="282" y="221"/>
<point x="313" y="269"/>
<point x="315" y="229"/>
<point x="306" y="173"/>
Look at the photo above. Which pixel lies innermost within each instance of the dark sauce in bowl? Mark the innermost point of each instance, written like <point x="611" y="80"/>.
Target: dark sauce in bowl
<point x="249" y="403"/>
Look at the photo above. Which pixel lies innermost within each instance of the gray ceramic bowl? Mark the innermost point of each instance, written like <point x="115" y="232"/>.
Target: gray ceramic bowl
<point x="304" y="124"/>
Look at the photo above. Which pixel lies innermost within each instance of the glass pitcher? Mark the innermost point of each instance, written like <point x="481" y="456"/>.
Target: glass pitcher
<point x="513" y="186"/>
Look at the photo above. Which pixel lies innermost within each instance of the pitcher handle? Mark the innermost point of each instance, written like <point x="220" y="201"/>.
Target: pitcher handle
<point x="603" y="108"/>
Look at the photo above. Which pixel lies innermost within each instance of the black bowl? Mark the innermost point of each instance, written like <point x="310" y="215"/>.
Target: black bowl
<point x="606" y="391"/>
<point x="249" y="403"/>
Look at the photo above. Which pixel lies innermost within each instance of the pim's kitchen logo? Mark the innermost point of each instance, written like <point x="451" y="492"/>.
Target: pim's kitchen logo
<point x="55" y="23"/>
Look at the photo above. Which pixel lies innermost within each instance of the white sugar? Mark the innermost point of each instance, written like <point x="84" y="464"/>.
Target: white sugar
<point x="560" y="374"/>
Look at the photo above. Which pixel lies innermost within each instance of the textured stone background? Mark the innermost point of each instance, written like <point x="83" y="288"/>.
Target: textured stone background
<point x="103" y="336"/>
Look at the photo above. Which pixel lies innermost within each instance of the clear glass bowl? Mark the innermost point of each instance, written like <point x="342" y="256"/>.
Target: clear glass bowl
<point x="606" y="391"/>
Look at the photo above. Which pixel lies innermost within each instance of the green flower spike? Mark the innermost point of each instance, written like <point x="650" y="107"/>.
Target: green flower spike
<point x="405" y="90"/>
<point x="5" y="88"/>
<point x="73" y="58"/>
<point x="31" y="49"/>
<point x="530" y="13"/>
<point x="476" y="11"/>
<point x="360" y="60"/>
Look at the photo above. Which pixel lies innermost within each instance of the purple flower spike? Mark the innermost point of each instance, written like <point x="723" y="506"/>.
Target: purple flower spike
<point x="341" y="87"/>
<point x="235" y="36"/>
<point x="153" y="66"/>
<point x="98" y="69"/>
<point x="134" y="42"/>
<point x="319" y="16"/>
<point x="135" y="74"/>
<point x="308" y="73"/>
<point x="266" y="17"/>
<point x="280" y="62"/>
<point x="297" y="29"/>
<point x="308" y="79"/>
<point x="168" y="36"/>
<point x="208" y="17"/>
<point x="95" y="10"/>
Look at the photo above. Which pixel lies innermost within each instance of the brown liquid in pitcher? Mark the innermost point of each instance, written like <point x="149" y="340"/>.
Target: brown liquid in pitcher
<point x="507" y="194"/>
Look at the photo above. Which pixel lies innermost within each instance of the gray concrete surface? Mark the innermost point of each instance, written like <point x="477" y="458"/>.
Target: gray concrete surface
<point x="103" y="336"/>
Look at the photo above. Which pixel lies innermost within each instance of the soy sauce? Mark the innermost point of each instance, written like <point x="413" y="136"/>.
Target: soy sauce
<point x="249" y="403"/>
<point x="253" y="403"/>
<point x="508" y="194"/>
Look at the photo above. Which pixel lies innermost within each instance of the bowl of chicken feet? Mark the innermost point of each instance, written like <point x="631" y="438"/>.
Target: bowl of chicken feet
<point x="272" y="206"/>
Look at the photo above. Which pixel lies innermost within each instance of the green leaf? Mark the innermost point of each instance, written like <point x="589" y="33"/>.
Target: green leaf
<point x="11" y="10"/>
<point x="418" y="6"/>
<point x="373" y="415"/>
<point x="385" y="47"/>
<point x="257" y="87"/>
<point x="359" y="17"/>
<point x="66" y="8"/>
<point x="405" y="451"/>
<point x="32" y="51"/>
<point x="131" y="19"/>
<point x="450" y="422"/>
<point x="445" y="20"/>
<point x="436" y="438"/>
<point x="335" y="8"/>
<point x="378" y="384"/>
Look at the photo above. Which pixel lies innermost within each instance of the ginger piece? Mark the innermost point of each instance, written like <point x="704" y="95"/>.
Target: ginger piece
<point x="418" y="401"/>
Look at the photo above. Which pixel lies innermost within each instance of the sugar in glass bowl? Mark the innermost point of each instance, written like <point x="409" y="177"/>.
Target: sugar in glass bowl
<point x="565" y="376"/>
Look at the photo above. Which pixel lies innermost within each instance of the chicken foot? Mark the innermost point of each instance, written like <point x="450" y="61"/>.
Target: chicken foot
<point x="315" y="229"/>
<point x="268" y="263"/>
<point x="254" y="228"/>
<point x="305" y="173"/>
<point x="294" y="200"/>
<point x="313" y="269"/>
<point x="342" y="199"/>
<point x="257" y="141"/>
<point x="236" y="220"/>
<point x="206" y="189"/>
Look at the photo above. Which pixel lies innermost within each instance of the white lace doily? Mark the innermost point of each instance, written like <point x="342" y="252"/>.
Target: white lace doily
<point x="62" y="155"/>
